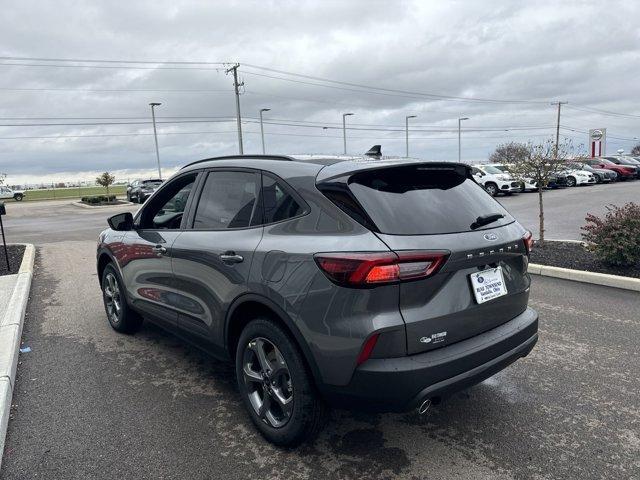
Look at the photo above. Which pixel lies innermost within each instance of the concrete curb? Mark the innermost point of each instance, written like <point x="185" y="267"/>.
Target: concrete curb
<point x="84" y="205"/>
<point x="11" y="322"/>
<point x="616" y="281"/>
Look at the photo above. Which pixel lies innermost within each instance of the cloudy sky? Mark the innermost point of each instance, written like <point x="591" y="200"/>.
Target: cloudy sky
<point x="498" y="63"/>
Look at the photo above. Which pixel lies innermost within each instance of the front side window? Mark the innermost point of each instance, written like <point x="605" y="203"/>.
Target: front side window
<point x="166" y="209"/>
<point x="228" y="200"/>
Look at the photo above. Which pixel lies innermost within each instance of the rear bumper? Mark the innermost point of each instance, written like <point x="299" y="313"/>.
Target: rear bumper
<point x="401" y="384"/>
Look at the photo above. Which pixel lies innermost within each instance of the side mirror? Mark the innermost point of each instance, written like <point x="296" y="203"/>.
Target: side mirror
<point x="122" y="222"/>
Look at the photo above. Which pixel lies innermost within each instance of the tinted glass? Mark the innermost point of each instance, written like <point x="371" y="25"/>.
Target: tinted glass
<point x="227" y="201"/>
<point x="166" y="209"/>
<point x="492" y="170"/>
<point x="419" y="200"/>
<point x="278" y="203"/>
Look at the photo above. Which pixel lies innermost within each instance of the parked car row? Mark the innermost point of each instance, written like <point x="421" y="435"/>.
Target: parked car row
<point x="139" y="190"/>
<point x="496" y="178"/>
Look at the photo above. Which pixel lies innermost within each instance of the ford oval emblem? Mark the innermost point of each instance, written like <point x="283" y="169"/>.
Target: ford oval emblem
<point x="491" y="237"/>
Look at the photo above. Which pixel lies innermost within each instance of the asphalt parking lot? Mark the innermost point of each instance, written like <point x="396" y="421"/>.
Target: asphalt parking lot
<point x="91" y="403"/>
<point x="566" y="208"/>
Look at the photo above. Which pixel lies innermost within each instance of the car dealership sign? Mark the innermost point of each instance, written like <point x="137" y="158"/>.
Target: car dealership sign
<point x="597" y="141"/>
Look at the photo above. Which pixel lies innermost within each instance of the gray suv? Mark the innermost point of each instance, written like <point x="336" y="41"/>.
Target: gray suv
<point x="379" y="284"/>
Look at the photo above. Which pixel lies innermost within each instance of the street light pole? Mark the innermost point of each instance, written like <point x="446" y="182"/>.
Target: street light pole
<point x="155" y="135"/>
<point x="459" y="142"/>
<point x="406" y="124"/>
<point x="344" y="130"/>
<point x="261" y="127"/>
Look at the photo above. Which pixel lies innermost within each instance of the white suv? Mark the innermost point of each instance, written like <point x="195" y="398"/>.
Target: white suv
<point x="6" y="192"/>
<point x="495" y="180"/>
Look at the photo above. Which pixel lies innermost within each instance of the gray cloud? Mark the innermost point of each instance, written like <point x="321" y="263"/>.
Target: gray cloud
<point x="582" y="52"/>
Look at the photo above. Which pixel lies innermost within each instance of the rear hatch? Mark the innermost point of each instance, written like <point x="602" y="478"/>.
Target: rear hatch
<point x="420" y="207"/>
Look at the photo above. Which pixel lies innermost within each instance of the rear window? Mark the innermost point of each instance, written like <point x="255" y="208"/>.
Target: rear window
<point x="418" y="200"/>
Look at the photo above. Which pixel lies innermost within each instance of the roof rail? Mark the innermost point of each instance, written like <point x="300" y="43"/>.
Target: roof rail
<point x="248" y="157"/>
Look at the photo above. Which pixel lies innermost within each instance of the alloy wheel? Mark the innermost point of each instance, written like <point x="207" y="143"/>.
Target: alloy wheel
<point x="492" y="190"/>
<point x="113" y="300"/>
<point x="268" y="382"/>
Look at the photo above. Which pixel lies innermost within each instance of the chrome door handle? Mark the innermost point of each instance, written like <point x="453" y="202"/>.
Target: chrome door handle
<point x="159" y="249"/>
<point x="231" y="257"/>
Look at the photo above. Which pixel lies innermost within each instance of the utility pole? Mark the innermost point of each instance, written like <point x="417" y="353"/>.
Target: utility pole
<point x="155" y="135"/>
<point x="344" y="130"/>
<point x="406" y="124"/>
<point x="262" y="110"/>
<point x="558" y="127"/>
<point x="459" y="135"/>
<point x="234" y="69"/>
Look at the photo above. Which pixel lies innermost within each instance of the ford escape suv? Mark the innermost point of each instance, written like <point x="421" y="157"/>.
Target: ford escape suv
<point x="379" y="284"/>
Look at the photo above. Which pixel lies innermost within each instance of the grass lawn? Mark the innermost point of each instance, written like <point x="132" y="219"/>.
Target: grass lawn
<point x="73" y="192"/>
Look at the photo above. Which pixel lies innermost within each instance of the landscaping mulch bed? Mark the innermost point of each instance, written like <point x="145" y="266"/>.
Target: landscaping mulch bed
<point x="15" y="258"/>
<point x="576" y="257"/>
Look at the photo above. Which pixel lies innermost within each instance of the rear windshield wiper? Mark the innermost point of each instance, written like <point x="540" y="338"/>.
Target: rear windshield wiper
<point x="483" y="220"/>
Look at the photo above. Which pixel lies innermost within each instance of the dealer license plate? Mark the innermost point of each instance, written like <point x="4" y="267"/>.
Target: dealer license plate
<point x="488" y="284"/>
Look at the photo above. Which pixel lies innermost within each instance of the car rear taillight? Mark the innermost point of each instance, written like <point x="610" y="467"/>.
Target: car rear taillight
<point x="528" y="241"/>
<point x="356" y="269"/>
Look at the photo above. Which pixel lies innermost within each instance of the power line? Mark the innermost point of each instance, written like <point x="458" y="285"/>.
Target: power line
<point x="610" y="113"/>
<point x="100" y="135"/>
<point x="122" y="67"/>
<point x="388" y="90"/>
<point x="335" y="83"/>
<point x="85" y="60"/>
<point x="43" y="89"/>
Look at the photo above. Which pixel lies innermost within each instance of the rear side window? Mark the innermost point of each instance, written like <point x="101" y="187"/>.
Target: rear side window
<point x="278" y="202"/>
<point x="228" y="200"/>
<point x="417" y="200"/>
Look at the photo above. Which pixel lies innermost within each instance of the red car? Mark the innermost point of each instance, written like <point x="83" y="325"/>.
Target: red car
<point x="625" y="172"/>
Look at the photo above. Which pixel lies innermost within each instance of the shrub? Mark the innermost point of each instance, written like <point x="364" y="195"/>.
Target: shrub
<point x="98" y="199"/>
<point x="615" y="239"/>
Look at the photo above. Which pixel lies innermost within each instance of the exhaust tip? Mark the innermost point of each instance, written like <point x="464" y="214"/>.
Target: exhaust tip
<point x="424" y="406"/>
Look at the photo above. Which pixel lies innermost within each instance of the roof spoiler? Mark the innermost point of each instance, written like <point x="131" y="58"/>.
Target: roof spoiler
<point x="375" y="152"/>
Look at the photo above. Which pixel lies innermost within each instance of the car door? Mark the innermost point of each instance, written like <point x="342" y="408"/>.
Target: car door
<point x="212" y="257"/>
<point x="146" y="252"/>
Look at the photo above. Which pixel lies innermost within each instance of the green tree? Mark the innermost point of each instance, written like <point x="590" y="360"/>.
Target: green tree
<point x="105" y="180"/>
<point x="539" y="164"/>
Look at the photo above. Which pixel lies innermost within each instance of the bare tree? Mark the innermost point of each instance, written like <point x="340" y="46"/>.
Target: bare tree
<point x="508" y="153"/>
<point x="540" y="164"/>
<point x="636" y="150"/>
<point x="2" y="177"/>
<point x="105" y="180"/>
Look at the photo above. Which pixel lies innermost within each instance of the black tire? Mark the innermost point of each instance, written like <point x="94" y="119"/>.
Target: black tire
<point x="18" y="197"/>
<point x="571" y="182"/>
<point x="491" y="188"/>
<point x="599" y="179"/>
<point x="122" y="318"/>
<point x="294" y="383"/>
